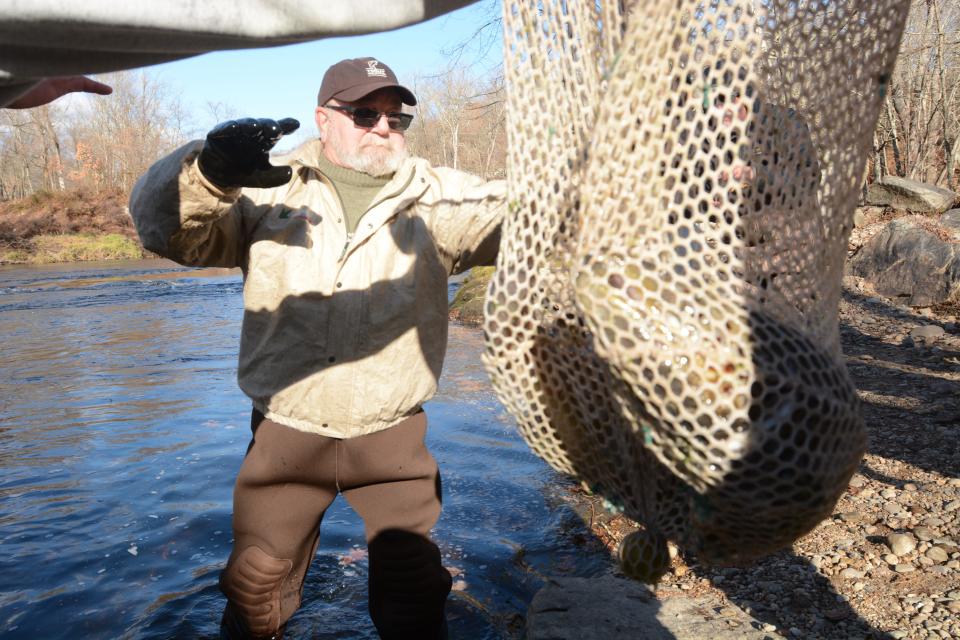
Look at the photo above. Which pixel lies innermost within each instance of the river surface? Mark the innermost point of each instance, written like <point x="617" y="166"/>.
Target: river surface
<point x="121" y="432"/>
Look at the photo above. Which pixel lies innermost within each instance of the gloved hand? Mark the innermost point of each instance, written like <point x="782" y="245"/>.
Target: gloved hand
<point x="237" y="153"/>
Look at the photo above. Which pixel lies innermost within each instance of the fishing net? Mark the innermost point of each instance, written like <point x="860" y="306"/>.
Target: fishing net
<point x="663" y="318"/>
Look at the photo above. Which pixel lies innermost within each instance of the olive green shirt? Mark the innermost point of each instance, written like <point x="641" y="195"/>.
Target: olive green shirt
<point x="355" y="189"/>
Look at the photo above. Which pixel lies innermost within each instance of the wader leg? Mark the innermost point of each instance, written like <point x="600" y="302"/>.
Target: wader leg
<point x="285" y="485"/>
<point x="392" y="481"/>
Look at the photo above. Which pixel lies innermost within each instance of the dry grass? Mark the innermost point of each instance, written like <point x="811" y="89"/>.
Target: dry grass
<point x="44" y="249"/>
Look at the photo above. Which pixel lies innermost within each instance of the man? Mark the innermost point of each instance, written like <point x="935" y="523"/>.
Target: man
<point x="345" y="248"/>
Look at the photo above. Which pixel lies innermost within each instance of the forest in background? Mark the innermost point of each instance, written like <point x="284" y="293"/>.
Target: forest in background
<point x="107" y="143"/>
<point x="101" y="146"/>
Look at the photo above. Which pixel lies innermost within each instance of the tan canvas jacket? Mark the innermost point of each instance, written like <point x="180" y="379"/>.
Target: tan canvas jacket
<point x="341" y="336"/>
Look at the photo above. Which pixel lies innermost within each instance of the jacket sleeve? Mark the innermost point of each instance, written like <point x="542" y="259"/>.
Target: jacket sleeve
<point x="180" y="215"/>
<point x="466" y="215"/>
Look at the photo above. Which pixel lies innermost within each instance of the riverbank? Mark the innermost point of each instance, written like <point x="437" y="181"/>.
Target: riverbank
<point x="68" y="226"/>
<point x="885" y="565"/>
<point x="55" y="249"/>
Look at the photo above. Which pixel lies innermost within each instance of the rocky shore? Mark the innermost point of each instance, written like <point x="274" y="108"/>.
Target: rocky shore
<point x="885" y="565"/>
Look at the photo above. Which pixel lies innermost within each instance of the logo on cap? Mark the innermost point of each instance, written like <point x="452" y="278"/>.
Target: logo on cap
<point x="374" y="71"/>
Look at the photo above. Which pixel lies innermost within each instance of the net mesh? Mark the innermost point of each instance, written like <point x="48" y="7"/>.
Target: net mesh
<point x="663" y="318"/>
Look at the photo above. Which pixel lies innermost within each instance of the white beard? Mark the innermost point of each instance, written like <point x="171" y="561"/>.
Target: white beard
<point x="371" y="158"/>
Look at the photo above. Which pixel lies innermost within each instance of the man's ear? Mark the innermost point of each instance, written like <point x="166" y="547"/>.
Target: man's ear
<point x="322" y="118"/>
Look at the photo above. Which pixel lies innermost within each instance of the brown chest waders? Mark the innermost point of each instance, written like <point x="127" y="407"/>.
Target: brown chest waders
<point x="286" y="483"/>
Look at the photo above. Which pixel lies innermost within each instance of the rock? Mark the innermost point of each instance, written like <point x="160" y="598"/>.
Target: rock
<point x="892" y="507"/>
<point x="938" y="554"/>
<point x="901" y="543"/>
<point x="928" y="332"/>
<point x="951" y="220"/>
<point x="467" y="305"/>
<point x="910" y="195"/>
<point x="904" y="568"/>
<point x="923" y="533"/>
<point x="854" y="517"/>
<point x="836" y="615"/>
<point x="606" y="607"/>
<point x="845" y="543"/>
<point x="859" y="218"/>
<point x="910" y="263"/>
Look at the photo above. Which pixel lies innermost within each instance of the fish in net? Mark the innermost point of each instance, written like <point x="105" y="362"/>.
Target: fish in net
<point x="663" y="319"/>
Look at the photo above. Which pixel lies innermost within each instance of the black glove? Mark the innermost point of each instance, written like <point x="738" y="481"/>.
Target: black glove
<point x="237" y="153"/>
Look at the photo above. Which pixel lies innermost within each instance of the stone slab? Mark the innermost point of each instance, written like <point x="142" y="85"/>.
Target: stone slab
<point x="610" y="608"/>
<point x="909" y="195"/>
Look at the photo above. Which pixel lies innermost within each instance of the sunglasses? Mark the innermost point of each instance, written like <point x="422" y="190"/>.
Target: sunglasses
<point x="367" y="118"/>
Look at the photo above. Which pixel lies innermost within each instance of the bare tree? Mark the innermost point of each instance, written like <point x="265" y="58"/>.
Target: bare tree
<point x="460" y="123"/>
<point x="917" y="136"/>
<point x="123" y="135"/>
<point x="31" y="151"/>
<point x="16" y="157"/>
<point x="89" y="143"/>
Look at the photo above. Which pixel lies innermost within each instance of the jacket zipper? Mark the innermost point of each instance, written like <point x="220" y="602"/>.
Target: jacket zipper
<point x="400" y="190"/>
<point x="346" y="245"/>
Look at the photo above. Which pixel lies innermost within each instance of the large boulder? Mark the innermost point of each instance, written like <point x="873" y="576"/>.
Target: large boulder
<point x="910" y="195"/>
<point x="913" y="260"/>
<point x="467" y="305"/>
<point x="951" y="220"/>
<point x="609" y="607"/>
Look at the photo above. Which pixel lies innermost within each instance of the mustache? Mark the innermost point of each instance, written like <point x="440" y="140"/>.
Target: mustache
<point x="377" y="143"/>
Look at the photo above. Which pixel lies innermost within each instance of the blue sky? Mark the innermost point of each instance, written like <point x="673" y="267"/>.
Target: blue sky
<point x="282" y="82"/>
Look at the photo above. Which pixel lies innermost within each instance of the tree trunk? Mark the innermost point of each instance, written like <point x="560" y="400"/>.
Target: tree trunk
<point x="941" y="74"/>
<point x="894" y="141"/>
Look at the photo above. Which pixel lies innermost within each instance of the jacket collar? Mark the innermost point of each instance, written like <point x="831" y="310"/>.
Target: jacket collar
<point x="402" y="185"/>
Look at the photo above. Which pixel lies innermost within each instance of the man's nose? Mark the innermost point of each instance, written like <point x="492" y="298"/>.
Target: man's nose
<point x="382" y="127"/>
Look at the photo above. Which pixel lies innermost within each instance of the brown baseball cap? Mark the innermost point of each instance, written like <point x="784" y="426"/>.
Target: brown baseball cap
<point x="350" y="80"/>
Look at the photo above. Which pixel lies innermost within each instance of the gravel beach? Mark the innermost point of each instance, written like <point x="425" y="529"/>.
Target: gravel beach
<point x="887" y="563"/>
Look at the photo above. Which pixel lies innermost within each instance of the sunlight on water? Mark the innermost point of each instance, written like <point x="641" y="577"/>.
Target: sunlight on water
<point x="121" y="432"/>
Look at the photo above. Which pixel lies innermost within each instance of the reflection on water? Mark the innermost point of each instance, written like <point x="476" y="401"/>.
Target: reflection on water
<point x="121" y="432"/>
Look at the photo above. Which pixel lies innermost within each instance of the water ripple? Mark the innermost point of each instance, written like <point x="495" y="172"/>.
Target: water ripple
<point x="121" y="433"/>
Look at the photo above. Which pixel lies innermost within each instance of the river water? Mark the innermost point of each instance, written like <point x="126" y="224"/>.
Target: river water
<point x="121" y="432"/>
